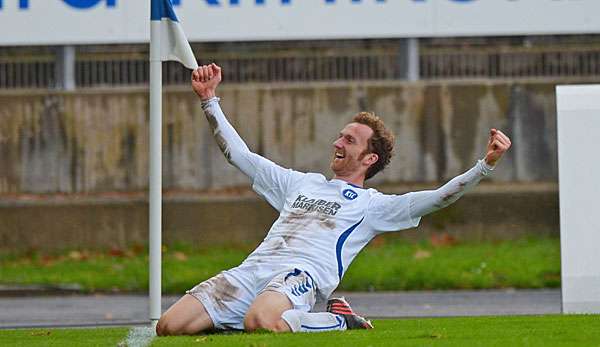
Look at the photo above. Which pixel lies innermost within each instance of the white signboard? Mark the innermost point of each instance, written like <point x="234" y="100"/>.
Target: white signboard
<point x="46" y="22"/>
<point x="578" y="127"/>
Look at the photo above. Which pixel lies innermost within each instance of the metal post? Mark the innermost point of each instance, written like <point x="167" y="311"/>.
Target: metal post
<point x="155" y="174"/>
<point x="412" y="53"/>
<point x="65" y="68"/>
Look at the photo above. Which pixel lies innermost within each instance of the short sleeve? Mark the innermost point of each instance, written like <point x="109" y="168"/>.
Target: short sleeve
<point x="272" y="182"/>
<point x="391" y="212"/>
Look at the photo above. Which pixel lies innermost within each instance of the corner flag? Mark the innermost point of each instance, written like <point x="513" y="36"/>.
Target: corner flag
<point x="173" y="43"/>
<point x="167" y="42"/>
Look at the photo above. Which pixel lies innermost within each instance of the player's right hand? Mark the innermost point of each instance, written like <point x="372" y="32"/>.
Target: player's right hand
<point x="205" y="80"/>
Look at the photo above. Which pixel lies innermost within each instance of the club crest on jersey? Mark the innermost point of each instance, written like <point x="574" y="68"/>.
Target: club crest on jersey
<point x="349" y="194"/>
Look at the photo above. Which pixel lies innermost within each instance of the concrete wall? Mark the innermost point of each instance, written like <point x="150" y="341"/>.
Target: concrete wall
<point x="485" y="214"/>
<point x="96" y="141"/>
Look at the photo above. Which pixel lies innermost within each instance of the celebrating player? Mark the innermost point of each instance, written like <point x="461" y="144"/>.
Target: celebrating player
<point x="322" y="226"/>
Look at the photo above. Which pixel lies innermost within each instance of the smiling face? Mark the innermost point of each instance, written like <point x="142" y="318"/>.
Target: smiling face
<point x="351" y="157"/>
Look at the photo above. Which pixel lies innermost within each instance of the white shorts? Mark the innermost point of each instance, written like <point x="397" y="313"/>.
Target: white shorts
<point x="228" y="295"/>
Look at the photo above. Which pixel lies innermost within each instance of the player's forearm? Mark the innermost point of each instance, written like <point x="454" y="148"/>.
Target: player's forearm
<point x="230" y="143"/>
<point x="425" y="202"/>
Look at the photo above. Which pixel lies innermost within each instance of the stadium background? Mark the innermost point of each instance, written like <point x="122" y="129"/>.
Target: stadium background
<point x="74" y="148"/>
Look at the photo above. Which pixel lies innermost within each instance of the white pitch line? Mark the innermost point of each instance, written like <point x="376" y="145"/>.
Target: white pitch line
<point x="139" y="337"/>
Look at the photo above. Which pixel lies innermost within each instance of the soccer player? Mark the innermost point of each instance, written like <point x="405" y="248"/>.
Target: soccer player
<point x="322" y="226"/>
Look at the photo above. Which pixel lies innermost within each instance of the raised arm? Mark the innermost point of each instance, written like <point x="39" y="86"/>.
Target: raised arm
<point x="425" y="202"/>
<point x="269" y="180"/>
<point x="205" y="80"/>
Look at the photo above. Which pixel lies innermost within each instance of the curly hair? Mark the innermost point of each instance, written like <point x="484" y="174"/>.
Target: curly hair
<point x="380" y="143"/>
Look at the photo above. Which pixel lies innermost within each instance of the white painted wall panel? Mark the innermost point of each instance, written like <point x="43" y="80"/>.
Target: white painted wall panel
<point x="579" y="179"/>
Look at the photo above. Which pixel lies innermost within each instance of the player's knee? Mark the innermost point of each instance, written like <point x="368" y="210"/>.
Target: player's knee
<point x="254" y="321"/>
<point x="161" y="327"/>
<point x="282" y="326"/>
<point x="165" y="327"/>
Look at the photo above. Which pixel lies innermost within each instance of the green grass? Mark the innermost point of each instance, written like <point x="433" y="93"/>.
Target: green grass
<point x="526" y="263"/>
<point x="62" y="337"/>
<point x="386" y="264"/>
<point x="546" y="331"/>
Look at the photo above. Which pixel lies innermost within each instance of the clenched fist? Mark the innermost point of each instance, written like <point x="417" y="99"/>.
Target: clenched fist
<point x="498" y="144"/>
<point x="205" y="80"/>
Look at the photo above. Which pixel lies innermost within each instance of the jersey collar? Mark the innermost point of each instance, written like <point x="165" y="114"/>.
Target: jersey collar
<point x="347" y="183"/>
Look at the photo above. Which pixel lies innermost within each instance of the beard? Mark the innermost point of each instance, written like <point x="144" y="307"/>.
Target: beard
<point x="346" y="165"/>
<point x="338" y="165"/>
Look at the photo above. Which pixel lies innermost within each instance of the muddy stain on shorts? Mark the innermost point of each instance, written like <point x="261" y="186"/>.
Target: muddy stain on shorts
<point x="218" y="289"/>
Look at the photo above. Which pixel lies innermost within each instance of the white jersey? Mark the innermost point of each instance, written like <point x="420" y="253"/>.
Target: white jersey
<point x="323" y="224"/>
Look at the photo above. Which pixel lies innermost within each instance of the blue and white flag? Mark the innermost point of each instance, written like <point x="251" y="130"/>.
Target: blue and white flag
<point x="173" y="43"/>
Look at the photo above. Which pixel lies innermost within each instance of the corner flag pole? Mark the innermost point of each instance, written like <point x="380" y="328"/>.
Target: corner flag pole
<point x="155" y="174"/>
<point x="167" y="42"/>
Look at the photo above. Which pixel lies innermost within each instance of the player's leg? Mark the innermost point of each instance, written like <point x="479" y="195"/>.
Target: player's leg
<point x="274" y="311"/>
<point x="186" y="317"/>
<point x="265" y="312"/>
<point x="284" y="304"/>
<point x="313" y="322"/>
<point x="218" y="303"/>
<point x="339" y="316"/>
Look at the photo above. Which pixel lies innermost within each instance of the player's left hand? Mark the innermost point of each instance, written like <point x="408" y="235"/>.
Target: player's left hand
<point x="498" y="144"/>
